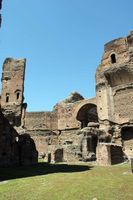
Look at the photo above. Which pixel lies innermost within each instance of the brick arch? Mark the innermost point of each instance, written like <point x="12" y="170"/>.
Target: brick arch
<point x="86" y="111"/>
<point x="82" y="103"/>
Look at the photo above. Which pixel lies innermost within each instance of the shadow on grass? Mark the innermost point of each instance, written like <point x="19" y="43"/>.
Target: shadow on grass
<point x="39" y="169"/>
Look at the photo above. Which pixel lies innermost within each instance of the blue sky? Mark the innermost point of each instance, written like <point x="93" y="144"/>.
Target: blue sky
<point x="63" y="42"/>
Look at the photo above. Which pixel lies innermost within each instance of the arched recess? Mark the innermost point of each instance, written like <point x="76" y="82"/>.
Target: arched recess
<point x="113" y="58"/>
<point x="58" y="156"/>
<point x="87" y="113"/>
<point x="17" y="94"/>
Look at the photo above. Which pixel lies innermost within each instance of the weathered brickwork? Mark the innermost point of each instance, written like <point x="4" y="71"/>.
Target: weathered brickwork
<point x="114" y="89"/>
<point x="78" y="129"/>
<point x="109" y="154"/>
<point x="15" y="149"/>
<point x="12" y="90"/>
<point x="41" y="121"/>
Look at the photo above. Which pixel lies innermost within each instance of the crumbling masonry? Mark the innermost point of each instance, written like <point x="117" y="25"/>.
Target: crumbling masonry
<point x="79" y="129"/>
<point x="15" y="149"/>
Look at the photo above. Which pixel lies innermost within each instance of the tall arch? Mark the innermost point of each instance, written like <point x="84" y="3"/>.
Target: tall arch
<point x="86" y="112"/>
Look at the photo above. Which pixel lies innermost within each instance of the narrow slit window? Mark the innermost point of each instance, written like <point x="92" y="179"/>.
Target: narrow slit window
<point x="18" y="95"/>
<point x="7" y="98"/>
<point x="113" y="58"/>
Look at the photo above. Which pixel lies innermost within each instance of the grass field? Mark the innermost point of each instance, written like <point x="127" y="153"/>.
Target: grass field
<point x="66" y="182"/>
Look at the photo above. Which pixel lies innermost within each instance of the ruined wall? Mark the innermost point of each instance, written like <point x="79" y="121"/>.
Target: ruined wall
<point x="123" y="101"/>
<point x="46" y="128"/>
<point x="12" y="89"/>
<point x="15" y="149"/>
<point x="43" y="139"/>
<point x="61" y="118"/>
<point x="77" y="145"/>
<point x="114" y="82"/>
<point x="109" y="154"/>
<point x="41" y="121"/>
<point x="42" y="127"/>
<point x="59" y="128"/>
<point x="118" y="47"/>
<point x="65" y="116"/>
<point x="9" y="154"/>
<point x="66" y="109"/>
<point x="28" y="155"/>
<point x="114" y="92"/>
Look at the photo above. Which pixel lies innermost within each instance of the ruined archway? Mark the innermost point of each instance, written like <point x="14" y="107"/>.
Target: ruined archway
<point x="87" y="113"/>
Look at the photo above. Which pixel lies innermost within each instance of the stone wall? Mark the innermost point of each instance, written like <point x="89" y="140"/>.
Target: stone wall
<point x="114" y="92"/>
<point x="65" y="116"/>
<point x="8" y="143"/>
<point x="42" y="127"/>
<point x="60" y="126"/>
<point x="41" y="121"/>
<point x="118" y="47"/>
<point x="15" y="149"/>
<point x="109" y="154"/>
<point x="114" y="81"/>
<point x="12" y="89"/>
<point x="65" y="111"/>
<point x="123" y="100"/>
<point x="62" y="117"/>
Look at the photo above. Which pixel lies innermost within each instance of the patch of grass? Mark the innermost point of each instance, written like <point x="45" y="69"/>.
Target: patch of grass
<point x="66" y="182"/>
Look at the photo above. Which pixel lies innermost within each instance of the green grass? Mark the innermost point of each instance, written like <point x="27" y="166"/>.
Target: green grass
<point x="66" y="182"/>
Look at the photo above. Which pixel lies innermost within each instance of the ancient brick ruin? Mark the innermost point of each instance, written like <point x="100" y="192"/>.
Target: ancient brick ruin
<point x="114" y="92"/>
<point x="15" y="149"/>
<point x="78" y="129"/>
<point x="12" y="90"/>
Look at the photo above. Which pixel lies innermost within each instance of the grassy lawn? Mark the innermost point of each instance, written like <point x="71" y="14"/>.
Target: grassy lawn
<point x="66" y="182"/>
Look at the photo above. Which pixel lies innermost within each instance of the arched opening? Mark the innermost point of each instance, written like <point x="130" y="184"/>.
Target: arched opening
<point x="58" y="156"/>
<point x="113" y="58"/>
<point x="127" y="140"/>
<point x="87" y="113"/>
<point x="17" y="94"/>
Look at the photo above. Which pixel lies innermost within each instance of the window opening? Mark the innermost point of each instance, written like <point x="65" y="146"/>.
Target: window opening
<point x="18" y="95"/>
<point x="7" y="98"/>
<point x="113" y="58"/>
